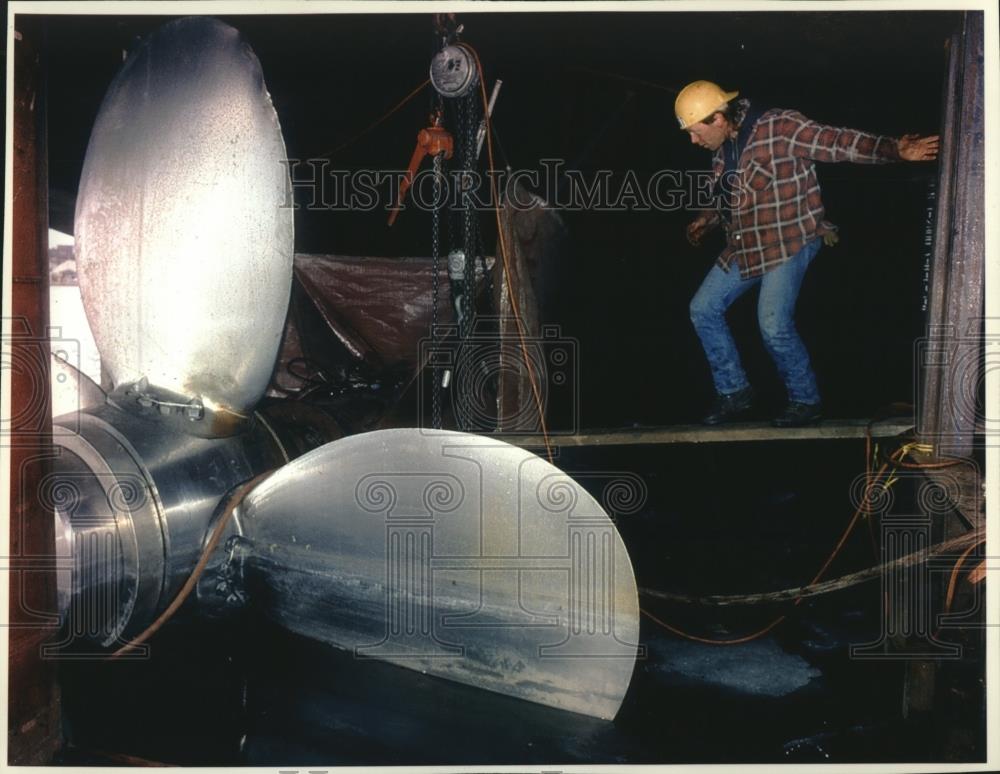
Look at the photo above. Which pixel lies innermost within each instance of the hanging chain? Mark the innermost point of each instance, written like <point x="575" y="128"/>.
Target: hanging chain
<point x="468" y="214"/>
<point x="469" y="242"/>
<point x="435" y="292"/>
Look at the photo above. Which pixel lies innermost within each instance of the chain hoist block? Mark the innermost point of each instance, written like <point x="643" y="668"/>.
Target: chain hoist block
<point x="453" y="71"/>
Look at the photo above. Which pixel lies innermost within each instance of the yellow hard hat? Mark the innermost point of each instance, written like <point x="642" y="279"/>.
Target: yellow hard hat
<point x="698" y="100"/>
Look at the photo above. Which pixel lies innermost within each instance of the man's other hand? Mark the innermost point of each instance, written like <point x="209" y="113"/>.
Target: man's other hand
<point x="696" y="229"/>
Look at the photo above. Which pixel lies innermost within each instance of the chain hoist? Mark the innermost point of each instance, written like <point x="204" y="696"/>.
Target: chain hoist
<point x="454" y="73"/>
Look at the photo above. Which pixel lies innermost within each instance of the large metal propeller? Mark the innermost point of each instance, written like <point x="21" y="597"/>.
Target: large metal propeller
<point x="452" y="554"/>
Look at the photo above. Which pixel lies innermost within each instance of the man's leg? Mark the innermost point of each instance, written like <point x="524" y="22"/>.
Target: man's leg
<point x="779" y="292"/>
<point x="708" y="314"/>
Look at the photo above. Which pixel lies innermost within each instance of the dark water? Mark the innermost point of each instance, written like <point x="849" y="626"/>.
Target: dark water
<point x="242" y="692"/>
<point x="275" y="699"/>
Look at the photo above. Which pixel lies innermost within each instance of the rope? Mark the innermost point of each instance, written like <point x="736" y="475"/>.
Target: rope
<point x="705" y="640"/>
<point x="627" y="79"/>
<point x="895" y="460"/>
<point x="967" y="542"/>
<point x="372" y="126"/>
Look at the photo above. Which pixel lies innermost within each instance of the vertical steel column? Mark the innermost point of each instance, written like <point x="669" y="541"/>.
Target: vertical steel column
<point x="951" y="362"/>
<point x="34" y="718"/>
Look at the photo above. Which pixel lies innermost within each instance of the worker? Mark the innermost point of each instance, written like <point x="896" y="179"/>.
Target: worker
<point x="767" y="198"/>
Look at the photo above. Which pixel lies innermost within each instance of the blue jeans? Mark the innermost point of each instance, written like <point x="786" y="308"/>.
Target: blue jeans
<point x="779" y="290"/>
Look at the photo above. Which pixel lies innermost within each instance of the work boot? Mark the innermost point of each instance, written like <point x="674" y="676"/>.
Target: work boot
<point x="798" y="415"/>
<point x="729" y="406"/>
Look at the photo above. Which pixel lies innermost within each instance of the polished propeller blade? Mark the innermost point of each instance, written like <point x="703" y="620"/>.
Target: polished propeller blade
<point x="452" y="554"/>
<point x="184" y="231"/>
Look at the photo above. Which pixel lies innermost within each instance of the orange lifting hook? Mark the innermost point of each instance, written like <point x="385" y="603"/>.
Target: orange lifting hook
<point x="433" y="140"/>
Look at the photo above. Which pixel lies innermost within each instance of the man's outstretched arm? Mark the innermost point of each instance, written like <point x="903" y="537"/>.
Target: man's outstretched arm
<point x="809" y="139"/>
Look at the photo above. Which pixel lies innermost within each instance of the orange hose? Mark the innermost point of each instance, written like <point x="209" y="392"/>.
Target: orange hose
<point x="192" y="580"/>
<point x="798" y="600"/>
<point x="953" y="578"/>
<point x="705" y="640"/>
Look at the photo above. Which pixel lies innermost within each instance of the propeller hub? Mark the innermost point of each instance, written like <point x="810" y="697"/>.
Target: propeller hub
<point x="133" y="499"/>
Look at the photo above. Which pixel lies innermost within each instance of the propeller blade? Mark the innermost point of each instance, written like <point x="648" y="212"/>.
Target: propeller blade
<point x="72" y="390"/>
<point x="451" y="554"/>
<point x="184" y="231"/>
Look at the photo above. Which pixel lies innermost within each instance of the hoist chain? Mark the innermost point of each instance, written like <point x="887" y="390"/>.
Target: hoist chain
<point x="470" y="244"/>
<point x="469" y="239"/>
<point x="469" y="215"/>
<point x="435" y="292"/>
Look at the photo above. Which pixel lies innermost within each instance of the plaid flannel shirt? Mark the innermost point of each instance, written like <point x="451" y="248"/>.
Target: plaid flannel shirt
<point x="778" y="208"/>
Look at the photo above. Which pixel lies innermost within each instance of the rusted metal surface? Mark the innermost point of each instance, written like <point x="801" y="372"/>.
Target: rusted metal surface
<point x="533" y="235"/>
<point x="952" y="358"/>
<point x="33" y="730"/>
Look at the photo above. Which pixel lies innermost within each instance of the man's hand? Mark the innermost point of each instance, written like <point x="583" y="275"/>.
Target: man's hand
<point x="914" y="148"/>
<point x="697" y="229"/>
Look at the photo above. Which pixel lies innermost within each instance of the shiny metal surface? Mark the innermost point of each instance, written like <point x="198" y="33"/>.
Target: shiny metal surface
<point x="451" y="554"/>
<point x="136" y="498"/>
<point x="108" y="527"/>
<point x="183" y="234"/>
<point x="453" y="71"/>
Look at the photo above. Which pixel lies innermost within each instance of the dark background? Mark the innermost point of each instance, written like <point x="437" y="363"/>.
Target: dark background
<point x="567" y="79"/>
